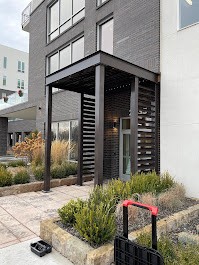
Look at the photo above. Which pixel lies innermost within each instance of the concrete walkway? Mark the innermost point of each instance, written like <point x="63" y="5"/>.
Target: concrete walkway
<point x="20" y="215"/>
<point x="20" y="254"/>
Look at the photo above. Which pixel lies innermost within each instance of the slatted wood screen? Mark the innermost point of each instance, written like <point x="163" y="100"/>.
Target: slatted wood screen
<point x="147" y="128"/>
<point x="88" y="127"/>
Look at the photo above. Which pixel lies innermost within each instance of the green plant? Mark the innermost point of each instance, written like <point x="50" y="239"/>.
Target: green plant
<point x="68" y="211"/>
<point x="70" y="169"/>
<point x="38" y="172"/>
<point x="21" y="177"/>
<point x="57" y="172"/>
<point x="96" y="223"/>
<point x="5" y="177"/>
<point x="4" y="165"/>
<point x="17" y="163"/>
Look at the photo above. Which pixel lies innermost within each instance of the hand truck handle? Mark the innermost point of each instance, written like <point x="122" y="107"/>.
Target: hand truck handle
<point x="154" y="213"/>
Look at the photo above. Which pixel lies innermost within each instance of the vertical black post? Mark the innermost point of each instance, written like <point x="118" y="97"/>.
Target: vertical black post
<point x="99" y="123"/>
<point x="48" y="138"/>
<point x="157" y="128"/>
<point x="125" y="221"/>
<point x="80" y="143"/>
<point x="154" y="232"/>
<point x="134" y="125"/>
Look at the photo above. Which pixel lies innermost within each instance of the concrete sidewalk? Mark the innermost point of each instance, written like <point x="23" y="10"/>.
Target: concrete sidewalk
<point x="21" y="254"/>
<point x="20" y="215"/>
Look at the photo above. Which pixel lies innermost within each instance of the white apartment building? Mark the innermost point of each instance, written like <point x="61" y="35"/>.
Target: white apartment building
<point x="13" y="70"/>
<point x="180" y="91"/>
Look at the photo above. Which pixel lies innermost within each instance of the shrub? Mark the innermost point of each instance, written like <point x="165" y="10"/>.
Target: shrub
<point x="21" y="177"/>
<point x="150" y="182"/>
<point x="68" y="211"/>
<point x="4" y="165"/>
<point x="57" y="172"/>
<point x="5" y="177"/>
<point x="28" y="146"/>
<point x="71" y="169"/>
<point x="17" y="163"/>
<point x="96" y="223"/>
<point x="173" y="198"/>
<point x="38" y="172"/>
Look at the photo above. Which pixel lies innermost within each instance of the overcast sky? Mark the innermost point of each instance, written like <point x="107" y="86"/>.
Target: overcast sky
<point x="11" y="33"/>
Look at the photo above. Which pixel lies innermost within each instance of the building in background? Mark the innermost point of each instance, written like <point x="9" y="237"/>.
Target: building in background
<point x="180" y="91"/>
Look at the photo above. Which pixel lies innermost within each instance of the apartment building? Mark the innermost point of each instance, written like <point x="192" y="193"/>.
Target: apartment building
<point x="94" y="79"/>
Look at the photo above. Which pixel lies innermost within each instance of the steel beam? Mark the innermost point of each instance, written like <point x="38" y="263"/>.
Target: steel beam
<point x="48" y="138"/>
<point x="80" y="142"/>
<point x="99" y="123"/>
<point x="134" y="125"/>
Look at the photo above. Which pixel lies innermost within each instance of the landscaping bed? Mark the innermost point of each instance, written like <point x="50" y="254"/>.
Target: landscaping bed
<point x="93" y="223"/>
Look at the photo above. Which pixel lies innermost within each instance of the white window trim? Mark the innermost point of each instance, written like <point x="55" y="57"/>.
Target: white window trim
<point x="99" y="25"/>
<point x="58" y="52"/>
<point x="60" y="25"/>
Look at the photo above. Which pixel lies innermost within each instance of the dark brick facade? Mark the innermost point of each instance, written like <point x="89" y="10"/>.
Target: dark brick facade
<point x="3" y="135"/>
<point x="117" y="105"/>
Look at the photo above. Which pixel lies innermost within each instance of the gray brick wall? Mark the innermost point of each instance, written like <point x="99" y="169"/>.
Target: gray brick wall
<point x="136" y="39"/>
<point x="3" y="135"/>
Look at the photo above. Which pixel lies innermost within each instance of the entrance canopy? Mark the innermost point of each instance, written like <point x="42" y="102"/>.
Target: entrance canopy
<point x="96" y="75"/>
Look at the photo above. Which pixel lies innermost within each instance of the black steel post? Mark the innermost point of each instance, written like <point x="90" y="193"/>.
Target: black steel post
<point x="48" y="138"/>
<point x="134" y="125"/>
<point x="99" y="123"/>
<point x="154" y="232"/>
<point x="80" y="143"/>
<point x="125" y="221"/>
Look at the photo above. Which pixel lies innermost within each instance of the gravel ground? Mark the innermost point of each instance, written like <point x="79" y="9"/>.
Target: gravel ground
<point x="144" y="218"/>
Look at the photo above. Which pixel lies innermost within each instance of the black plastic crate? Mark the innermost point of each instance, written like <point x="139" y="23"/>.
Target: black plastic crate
<point x="127" y="252"/>
<point x="130" y="253"/>
<point x="40" y="248"/>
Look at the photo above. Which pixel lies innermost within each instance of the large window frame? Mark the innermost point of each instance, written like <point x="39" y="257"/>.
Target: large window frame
<point x="70" y="126"/>
<point x="58" y="52"/>
<point x="99" y="32"/>
<point x="5" y="59"/>
<point x="180" y="25"/>
<point x="74" y="18"/>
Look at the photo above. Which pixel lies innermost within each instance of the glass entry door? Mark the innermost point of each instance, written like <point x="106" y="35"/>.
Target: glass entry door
<point x="125" y="158"/>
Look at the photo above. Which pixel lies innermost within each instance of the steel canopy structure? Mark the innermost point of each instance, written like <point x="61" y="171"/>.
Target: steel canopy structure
<point x="94" y="78"/>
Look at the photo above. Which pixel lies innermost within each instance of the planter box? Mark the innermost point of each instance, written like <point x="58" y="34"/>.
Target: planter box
<point x="38" y="186"/>
<point x="80" y="253"/>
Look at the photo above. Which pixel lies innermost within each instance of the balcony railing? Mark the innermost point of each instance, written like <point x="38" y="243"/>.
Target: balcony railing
<point x="26" y="15"/>
<point x="14" y="99"/>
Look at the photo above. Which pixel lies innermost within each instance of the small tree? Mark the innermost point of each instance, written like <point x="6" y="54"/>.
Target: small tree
<point x="30" y="145"/>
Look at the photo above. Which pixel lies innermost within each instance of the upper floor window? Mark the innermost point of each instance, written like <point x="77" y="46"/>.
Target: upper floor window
<point x="63" y="14"/>
<point x="4" y="80"/>
<point x="99" y="2"/>
<point x="21" y="67"/>
<point x="70" y="54"/>
<point x="188" y="12"/>
<point x="5" y="62"/>
<point x="105" y="36"/>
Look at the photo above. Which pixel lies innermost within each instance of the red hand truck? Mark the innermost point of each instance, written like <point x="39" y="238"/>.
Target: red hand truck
<point x="127" y="252"/>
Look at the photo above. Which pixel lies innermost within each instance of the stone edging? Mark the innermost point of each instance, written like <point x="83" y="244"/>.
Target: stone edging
<point x="81" y="253"/>
<point x="39" y="185"/>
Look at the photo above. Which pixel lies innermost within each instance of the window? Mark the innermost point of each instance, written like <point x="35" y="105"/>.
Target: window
<point x="63" y="14"/>
<point x="21" y="66"/>
<point x="5" y="62"/>
<point x="67" y="130"/>
<point x="18" y="83"/>
<point x="22" y="84"/>
<point x="99" y="2"/>
<point x="70" y="54"/>
<point x="4" y="80"/>
<point x="188" y="12"/>
<point x="105" y="37"/>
